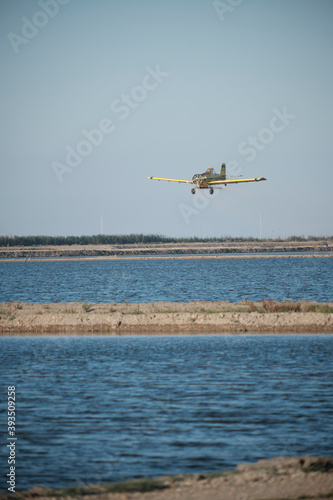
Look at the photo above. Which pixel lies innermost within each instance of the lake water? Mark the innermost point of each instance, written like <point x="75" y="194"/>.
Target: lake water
<point x="99" y="409"/>
<point x="167" y="280"/>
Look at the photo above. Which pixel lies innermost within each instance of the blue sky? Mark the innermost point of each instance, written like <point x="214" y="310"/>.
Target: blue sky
<point x="99" y="95"/>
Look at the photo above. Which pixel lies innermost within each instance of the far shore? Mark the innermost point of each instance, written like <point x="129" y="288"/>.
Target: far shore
<point x="158" y="318"/>
<point x="176" y="250"/>
<point x="167" y="257"/>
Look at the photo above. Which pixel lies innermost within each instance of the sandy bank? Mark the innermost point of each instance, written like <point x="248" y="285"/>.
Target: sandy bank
<point x="283" y="477"/>
<point x="166" y="318"/>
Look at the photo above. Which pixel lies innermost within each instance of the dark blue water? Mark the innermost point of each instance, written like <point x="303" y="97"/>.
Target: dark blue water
<point x="167" y="280"/>
<point x="100" y="409"/>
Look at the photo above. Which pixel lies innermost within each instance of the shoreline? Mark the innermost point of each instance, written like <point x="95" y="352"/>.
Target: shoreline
<point x="281" y="477"/>
<point x="163" y="318"/>
<point x="176" y="250"/>
<point x="164" y="257"/>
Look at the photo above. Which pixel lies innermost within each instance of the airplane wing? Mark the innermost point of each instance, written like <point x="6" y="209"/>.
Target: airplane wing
<point x="169" y="180"/>
<point x="235" y="181"/>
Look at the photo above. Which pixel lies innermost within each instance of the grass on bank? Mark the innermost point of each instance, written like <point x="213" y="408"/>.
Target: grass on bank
<point x="86" y="307"/>
<point x="271" y="306"/>
<point x="131" y="486"/>
<point x="11" y="311"/>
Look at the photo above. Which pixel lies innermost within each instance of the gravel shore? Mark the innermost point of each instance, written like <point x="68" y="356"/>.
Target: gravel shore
<point x="283" y="477"/>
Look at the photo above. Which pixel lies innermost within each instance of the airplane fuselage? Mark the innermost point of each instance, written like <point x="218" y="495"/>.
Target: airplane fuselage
<point x="209" y="180"/>
<point x="202" y="180"/>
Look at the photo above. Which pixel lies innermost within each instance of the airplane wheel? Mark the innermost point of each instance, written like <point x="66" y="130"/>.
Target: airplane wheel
<point x="211" y="191"/>
<point x="193" y="191"/>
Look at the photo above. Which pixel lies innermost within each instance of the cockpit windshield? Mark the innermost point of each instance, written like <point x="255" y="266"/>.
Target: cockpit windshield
<point x="210" y="170"/>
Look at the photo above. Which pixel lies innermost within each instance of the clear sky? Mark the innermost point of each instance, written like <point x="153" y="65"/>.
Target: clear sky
<point x="97" y="95"/>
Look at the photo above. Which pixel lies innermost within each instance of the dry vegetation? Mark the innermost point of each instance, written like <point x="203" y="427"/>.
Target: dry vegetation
<point x="266" y="316"/>
<point x="103" y="246"/>
<point x="271" y="306"/>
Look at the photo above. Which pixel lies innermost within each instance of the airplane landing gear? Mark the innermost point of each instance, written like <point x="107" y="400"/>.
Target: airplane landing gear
<point x="193" y="191"/>
<point x="211" y="191"/>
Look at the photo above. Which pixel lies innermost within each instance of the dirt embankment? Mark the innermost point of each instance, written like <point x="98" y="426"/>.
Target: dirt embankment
<point x="170" y="249"/>
<point x="284" y="477"/>
<point x="166" y="318"/>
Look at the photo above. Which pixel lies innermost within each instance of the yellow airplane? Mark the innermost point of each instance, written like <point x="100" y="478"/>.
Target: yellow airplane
<point x="209" y="179"/>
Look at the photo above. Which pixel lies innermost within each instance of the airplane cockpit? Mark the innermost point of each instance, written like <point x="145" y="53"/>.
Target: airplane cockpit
<point x="209" y="171"/>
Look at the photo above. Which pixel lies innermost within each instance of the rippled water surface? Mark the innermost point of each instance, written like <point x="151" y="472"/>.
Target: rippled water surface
<point x="167" y="280"/>
<point x="103" y="408"/>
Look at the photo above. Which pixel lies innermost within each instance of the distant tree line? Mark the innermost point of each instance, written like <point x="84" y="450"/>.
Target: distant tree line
<point x="125" y="239"/>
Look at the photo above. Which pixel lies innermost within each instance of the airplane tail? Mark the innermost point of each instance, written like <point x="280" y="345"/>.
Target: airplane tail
<point x="223" y="172"/>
